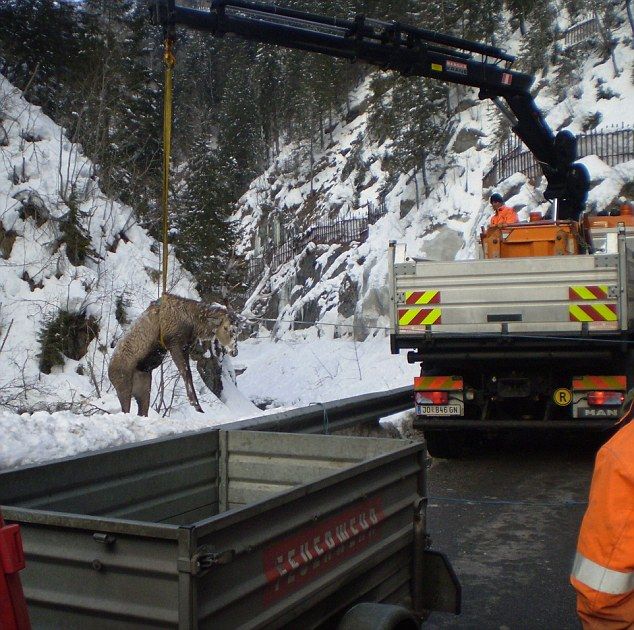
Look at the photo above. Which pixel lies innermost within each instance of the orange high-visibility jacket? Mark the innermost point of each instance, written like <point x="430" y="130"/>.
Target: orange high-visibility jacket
<point x="504" y="215"/>
<point x="603" y="571"/>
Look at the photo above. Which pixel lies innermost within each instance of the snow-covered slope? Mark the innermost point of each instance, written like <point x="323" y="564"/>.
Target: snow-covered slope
<point x="42" y="177"/>
<point x="343" y="287"/>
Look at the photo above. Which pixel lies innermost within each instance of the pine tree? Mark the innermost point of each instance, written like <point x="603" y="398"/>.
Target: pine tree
<point x="540" y="36"/>
<point x="86" y="65"/>
<point x="122" y="127"/>
<point x="240" y="142"/>
<point x="204" y="235"/>
<point x="41" y="46"/>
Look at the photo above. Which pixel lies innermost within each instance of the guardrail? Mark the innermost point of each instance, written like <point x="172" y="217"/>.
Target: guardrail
<point x="331" y="416"/>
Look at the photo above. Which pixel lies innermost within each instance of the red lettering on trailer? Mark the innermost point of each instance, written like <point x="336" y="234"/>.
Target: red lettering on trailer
<point x="295" y="561"/>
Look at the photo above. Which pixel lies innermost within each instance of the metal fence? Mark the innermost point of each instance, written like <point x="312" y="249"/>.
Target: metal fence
<point x="346" y="230"/>
<point x="581" y="32"/>
<point x="613" y="146"/>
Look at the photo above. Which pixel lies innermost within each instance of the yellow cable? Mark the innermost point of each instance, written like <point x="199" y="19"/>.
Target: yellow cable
<point x="170" y="60"/>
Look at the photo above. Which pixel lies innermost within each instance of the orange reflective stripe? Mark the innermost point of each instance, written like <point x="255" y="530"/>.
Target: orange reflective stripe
<point x="438" y="383"/>
<point x="422" y="297"/>
<point x="588" y="312"/>
<point x="599" y="382"/>
<point x="419" y="316"/>
<point x="588" y="292"/>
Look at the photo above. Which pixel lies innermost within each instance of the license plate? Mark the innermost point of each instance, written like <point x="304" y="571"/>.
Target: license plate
<point x="439" y="410"/>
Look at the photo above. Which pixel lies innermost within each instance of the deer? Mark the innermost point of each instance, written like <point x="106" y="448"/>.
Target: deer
<point x="170" y="324"/>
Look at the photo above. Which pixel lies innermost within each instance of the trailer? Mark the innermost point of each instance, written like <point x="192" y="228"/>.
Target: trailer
<point x="230" y="529"/>
<point x="536" y="334"/>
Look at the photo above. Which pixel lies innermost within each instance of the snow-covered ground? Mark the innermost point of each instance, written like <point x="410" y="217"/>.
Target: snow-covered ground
<point x="294" y="372"/>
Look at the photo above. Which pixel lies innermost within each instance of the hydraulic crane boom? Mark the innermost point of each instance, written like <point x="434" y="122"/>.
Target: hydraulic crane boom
<point x="410" y="51"/>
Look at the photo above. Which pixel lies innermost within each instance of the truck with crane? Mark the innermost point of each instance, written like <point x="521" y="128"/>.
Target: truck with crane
<point x="535" y="334"/>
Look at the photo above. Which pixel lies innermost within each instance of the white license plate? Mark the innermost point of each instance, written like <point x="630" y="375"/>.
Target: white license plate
<point x="439" y="410"/>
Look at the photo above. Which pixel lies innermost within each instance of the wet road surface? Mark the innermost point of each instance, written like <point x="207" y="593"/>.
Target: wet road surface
<point x="507" y="517"/>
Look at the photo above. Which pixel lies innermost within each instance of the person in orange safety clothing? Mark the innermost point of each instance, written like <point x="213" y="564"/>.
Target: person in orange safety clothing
<point x="503" y="214"/>
<point x="603" y="569"/>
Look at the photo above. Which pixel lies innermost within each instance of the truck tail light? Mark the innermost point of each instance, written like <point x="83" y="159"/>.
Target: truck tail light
<point x="431" y="398"/>
<point x="605" y="399"/>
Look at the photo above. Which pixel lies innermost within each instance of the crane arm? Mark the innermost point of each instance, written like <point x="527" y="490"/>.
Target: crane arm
<point x="409" y="51"/>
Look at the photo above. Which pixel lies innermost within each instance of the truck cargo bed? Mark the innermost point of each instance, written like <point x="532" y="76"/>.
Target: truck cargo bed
<point x="553" y="295"/>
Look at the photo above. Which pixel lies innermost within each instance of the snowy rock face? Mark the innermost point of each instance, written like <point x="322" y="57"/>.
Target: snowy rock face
<point x="343" y="286"/>
<point x="75" y="271"/>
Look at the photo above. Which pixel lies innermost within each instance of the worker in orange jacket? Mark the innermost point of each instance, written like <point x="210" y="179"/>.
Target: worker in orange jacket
<point x="503" y="214"/>
<point x="603" y="570"/>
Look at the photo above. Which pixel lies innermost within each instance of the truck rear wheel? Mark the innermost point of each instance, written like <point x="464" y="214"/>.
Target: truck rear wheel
<point x="371" y="616"/>
<point x="445" y="444"/>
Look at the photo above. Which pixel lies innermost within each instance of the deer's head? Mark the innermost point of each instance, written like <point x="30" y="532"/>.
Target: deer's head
<point x="227" y="333"/>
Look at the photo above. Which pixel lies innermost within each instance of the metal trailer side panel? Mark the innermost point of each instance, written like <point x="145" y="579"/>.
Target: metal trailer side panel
<point x="261" y="464"/>
<point x="507" y="295"/>
<point x="187" y="602"/>
<point x="127" y="576"/>
<point x="317" y="547"/>
<point x="172" y="481"/>
<point x="90" y="572"/>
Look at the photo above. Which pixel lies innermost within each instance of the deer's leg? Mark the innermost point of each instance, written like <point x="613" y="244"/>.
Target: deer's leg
<point x="124" y="393"/>
<point x="142" y="384"/>
<point x="181" y="359"/>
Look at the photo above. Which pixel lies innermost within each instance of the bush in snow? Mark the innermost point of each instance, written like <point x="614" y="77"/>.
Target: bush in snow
<point x="74" y="236"/>
<point x="65" y="334"/>
<point x="121" y="313"/>
<point x="7" y="238"/>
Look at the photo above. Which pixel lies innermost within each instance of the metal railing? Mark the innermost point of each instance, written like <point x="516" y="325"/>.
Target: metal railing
<point x="581" y="32"/>
<point x="613" y="146"/>
<point x="332" y="416"/>
<point x="345" y="230"/>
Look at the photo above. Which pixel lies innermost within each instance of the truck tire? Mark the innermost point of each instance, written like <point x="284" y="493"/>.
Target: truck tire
<point x="370" y="616"/>
<point x="445" y="444"/>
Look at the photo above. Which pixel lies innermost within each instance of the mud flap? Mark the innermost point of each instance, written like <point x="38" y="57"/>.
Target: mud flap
<point x="441" y="590"/>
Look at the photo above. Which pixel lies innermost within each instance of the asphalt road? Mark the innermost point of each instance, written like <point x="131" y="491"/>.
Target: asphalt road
<point x="508" y="518"/>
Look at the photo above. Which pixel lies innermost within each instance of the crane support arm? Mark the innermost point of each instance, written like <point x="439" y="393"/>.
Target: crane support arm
<point x="410" y="51"/>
